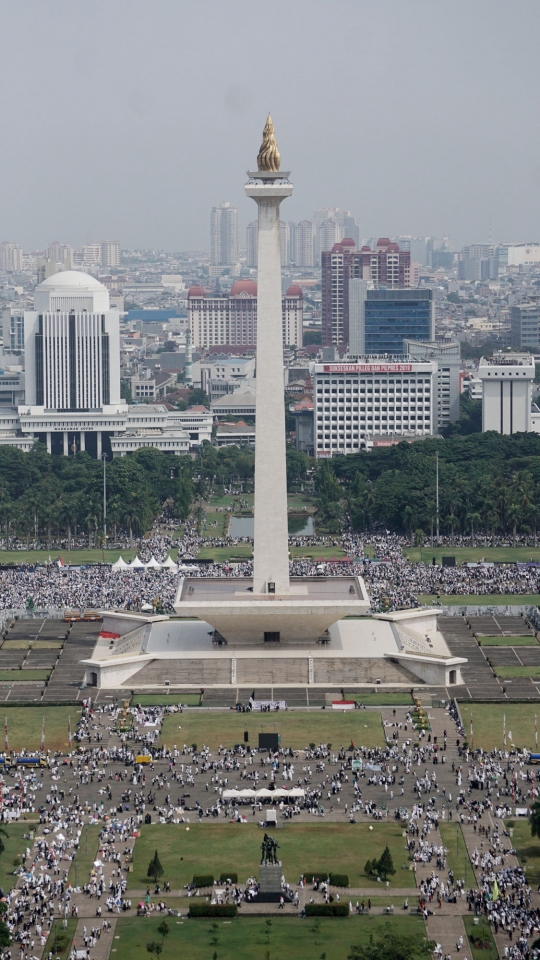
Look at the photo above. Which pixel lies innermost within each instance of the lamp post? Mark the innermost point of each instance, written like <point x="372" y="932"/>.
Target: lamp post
<point x="104" y="457"/>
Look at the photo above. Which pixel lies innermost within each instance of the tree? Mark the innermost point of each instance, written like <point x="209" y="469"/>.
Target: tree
<point x="155" y="870"/>
<point x="3" y="834"/>
<point x="184" y="495"/>
<point x="155" y="948"/>
<point x="386" y="864"/>
<point x="163" y="930"/>
<point x="391" y="945"/>
<point x="534" y="819"/>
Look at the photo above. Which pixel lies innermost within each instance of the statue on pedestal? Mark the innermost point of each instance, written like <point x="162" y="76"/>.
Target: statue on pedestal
<point x="269" y="849"/>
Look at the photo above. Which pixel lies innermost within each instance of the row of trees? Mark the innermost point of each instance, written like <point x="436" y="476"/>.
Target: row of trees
<point x="488" y="484"/>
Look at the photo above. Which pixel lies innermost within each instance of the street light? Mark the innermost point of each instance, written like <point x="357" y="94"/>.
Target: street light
<point x="104" y="457"/>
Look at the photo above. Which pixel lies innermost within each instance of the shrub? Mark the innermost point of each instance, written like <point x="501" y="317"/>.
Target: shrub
<point x="327" y="910"/>
<point x="311" y="875"/>
<point x="213" y="910"/>
<point x="339" y="880"/>
<point x="203" y="880"/>
<point x="233" y="877"/>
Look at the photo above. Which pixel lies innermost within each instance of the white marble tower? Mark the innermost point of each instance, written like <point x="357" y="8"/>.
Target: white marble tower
<point x="268" y="186"/>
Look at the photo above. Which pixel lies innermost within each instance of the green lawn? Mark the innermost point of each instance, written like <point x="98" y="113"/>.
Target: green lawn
<point x="14" y="847"/>
<point x="401" y="699"/>
<point x="26" y="676"/>
<point x="24" y="726"/>
<point x="211" y="847"/>
<point x="527" y="849"/>
<point x="32" y="644"/>
<point x="508" y="672"/>
<point x="166" y="699"/>
<point x="479" y="931"/>
<point x="481" y="600"/>
<point x="488" y="723"/>
<point x="79" y="871"/>
<point x="457" y="857"/>
<point x="507" y="641"/>
<point x="95" y="555"/>
<point x="297" y="729"/>
<point x="244" y="551"/>
<point x="472" y="554"/>
<point x="59" y="940"/>
<point x="245" y="938"/>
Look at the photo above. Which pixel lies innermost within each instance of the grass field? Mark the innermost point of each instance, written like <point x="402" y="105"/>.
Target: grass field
<point x="81" y="865"/>
<point x="297" y="730"/>
<point x="14" y="847"/>
<point x="488" y="723"/>
<point x="458" y="858"/>
<point x="509" y="672"/>
<point x="95" y="555"/>
<point x="24" y="726"/>
<point x="166" y="700"/>
<point x="482" y="600"/>
<point x="472" y="554"/>
<point x="479" y="930"/>
<point x="26" y="676"/>
<point x="507" y="641"/>
<point x="221" y="847"/>
<point x="244" y="551"/>
<point x="246" y="938"/>
<point x="33" y="644"/>
<point x="527" y="849"/>
<point x="59" y="940"/>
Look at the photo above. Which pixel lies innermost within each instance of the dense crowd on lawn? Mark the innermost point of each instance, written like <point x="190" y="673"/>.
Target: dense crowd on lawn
<point x="391" y="580"/>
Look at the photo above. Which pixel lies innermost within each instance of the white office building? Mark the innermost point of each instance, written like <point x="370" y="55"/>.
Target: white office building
<point x="224" y="235"/>
<point x="507" y="380"/>
<point x="447" y="355"/>
<point x="372" y="402"/>
<point x="110" y="253"/>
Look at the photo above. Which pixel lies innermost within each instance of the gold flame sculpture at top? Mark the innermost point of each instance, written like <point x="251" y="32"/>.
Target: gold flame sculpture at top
<point x="269" y="158"/>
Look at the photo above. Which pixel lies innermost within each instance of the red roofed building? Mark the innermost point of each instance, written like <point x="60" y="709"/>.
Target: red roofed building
<point x="232" y="321"/>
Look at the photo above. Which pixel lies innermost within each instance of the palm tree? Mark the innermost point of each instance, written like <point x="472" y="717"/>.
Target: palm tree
<point x="474" y="519"/>
<point x="69" y="510"/>
<point x="452" y="522"/>
<point x="408" y="521"/>
<point x="514" y="516"/>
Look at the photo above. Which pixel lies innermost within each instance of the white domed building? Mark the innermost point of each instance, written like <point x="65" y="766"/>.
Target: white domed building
<point x="72" y="378"/>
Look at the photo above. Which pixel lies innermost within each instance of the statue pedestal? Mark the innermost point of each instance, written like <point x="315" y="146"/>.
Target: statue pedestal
<point x="270" y="884"/>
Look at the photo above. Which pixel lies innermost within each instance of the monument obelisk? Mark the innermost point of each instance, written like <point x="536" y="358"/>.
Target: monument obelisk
<point x="268" y="186"/>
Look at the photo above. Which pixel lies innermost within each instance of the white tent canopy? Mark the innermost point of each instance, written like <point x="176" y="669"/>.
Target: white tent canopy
<point x="137" y="564"/>
<point x="120" y="564"/>
<point x="153" y="564"/>
<point x="294" y="792"/>
<point x="169" y="564"/>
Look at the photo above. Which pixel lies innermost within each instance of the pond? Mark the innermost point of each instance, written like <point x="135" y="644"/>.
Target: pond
<point x="299" y="525"/>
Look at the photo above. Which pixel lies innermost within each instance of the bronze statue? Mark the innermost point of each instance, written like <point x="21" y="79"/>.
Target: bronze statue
<point x="269" y="849"/>
<point x="269" y="158"/>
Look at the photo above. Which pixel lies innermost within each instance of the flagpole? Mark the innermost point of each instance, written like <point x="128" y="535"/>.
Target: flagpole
<point x="6" y="736"/>
<point x="504" y="731"/>
<point x="472" y="735"/>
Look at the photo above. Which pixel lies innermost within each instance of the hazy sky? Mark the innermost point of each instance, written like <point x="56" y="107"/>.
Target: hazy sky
<point x="130" y="119"/>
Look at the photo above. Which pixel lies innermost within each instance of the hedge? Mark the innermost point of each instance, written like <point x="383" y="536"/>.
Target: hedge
<point x="327" y="910"/>
<point x="335" y="879"/>
<point x="339" y="880"/>
<point x="213" y="910"/>
<point x="233" y="877"/>
<point x="203" y="880"/>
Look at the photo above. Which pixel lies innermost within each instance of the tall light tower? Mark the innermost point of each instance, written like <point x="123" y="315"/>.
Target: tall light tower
<point x="268" y="186"/>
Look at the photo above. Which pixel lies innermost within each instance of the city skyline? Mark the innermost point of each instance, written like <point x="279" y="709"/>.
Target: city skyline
<point x="426" y="149"/>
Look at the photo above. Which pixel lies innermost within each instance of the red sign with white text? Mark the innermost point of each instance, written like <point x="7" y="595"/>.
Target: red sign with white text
<point x="367" y="368"/>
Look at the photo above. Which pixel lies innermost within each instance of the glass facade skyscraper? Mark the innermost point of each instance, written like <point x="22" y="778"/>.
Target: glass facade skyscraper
<point x="392" y="316"/>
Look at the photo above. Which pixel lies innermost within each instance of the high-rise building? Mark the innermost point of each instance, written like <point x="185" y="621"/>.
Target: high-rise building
<point x="11" y="257"/>
<point x="251" y="243"/>
<point x="13" y="330"/>
<point x="91" y="254"/>
<point x="72" y="345"/>
<point x="304" y="244"/>
<point x="392" y="316"/>
<point x="224" y="235"/>
<point x="447" y="355"/>
<point x="232" y="321"/>
<point x="507" y="380"/>
<point x="110" y="253"/>
<point x="285" y="243"/>
<point x="328" y="233"/>
<point x="60" y="253"/>
<point x="525" y="320"/>
<point x="386" y="266"/>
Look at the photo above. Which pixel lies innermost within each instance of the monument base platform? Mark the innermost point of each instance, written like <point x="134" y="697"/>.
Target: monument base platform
<point x="270" y="884"/>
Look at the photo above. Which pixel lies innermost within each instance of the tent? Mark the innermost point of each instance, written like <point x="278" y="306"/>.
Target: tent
<point x="263" y="794"/>
<point x="136" y="564"/>
<point x="153" y="564"/>
<point x="120" y="564"/>
<point x="169" y="564"/>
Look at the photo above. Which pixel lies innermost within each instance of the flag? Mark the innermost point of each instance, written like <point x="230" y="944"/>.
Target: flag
<point x="43" y="735"/>
<point x="504" y="731"/>
<point x="536" y="730"/>
<point x="472" y="735"/>
<point x="495" y="893"/>
<point x="69" y="732"/>
<point x="6" y="737"/>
